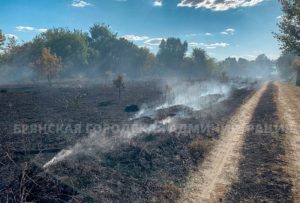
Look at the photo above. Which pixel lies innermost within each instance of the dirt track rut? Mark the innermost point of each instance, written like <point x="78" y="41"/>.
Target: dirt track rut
<point x="262" y="176"/>
<point x="213" y="178"/>
<point x="289" y="109"/>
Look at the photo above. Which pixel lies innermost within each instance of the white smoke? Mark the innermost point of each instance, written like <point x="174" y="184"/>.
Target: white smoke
<point x="101" y="141"/>
<point x="192" y="95"/>
<point x="195" y="95"/>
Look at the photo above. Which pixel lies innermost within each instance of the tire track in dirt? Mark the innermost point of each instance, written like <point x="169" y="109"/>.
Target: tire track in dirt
<point x="210" y="182"/>
<point x="262" y="176"/>
<point x="289" y="111"/>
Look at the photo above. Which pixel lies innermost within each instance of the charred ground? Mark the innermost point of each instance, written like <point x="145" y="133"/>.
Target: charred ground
<point x="150" y="167"/>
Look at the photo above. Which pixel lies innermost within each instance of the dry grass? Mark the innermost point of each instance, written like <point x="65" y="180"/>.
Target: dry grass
<point x="199" y="147"/>
<point x="169" y="193"/>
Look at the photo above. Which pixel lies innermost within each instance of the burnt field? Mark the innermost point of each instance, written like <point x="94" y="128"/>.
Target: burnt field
<point x="72" y="164"/>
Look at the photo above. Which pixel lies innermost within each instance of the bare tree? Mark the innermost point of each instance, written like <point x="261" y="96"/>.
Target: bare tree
<point x="120" y="84"/>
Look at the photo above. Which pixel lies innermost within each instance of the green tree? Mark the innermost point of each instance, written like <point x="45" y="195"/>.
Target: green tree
<point x="48" y="64"/>
<point x="230" y="65"/>
<point x="2" y="39"/>
<point x="171" y="52"/>
<point x="289" y="27"/>
<point x="296" y="63"/>
<point x="201" y="62"/>
<point x="284" y="66"/>
<point x="263" y="65"/>
<point x="12" y="44"/>
<point x="70" y="46"/>
<point x="109" y="53"/>
<point x="103" y="48"/>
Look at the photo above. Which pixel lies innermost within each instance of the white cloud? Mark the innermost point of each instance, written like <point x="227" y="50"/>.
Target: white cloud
<point x="198" y="34"/>
<point x="192" y="35"/>
<point x="11" y="36"/>
<point x="245" y="56"/>
<point x="209" y="46"/>
<point x="153" y="41"/>
<point x="30" y="29"/>
<point x="24" y="28"/>
<point x="278" y="17"/>
<point x="194" y="44"/>
<point x="157" y="3"/>
<point x="228" y="31"/>
<point x="215" y="45"/>
<point x="218" y="5"/>
<point x="135" y="37"/>
<point x="80" y="4"/>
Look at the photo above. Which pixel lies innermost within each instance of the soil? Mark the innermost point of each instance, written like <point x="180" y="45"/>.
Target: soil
<point x="289" y="108"/>
<point x="262" y="176"/>
<point x="216" y="173"/>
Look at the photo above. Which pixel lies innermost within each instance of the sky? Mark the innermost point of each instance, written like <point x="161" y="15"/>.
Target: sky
<point x="224" y="28"/>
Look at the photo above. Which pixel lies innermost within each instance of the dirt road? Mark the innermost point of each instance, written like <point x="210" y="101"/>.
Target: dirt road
<point x="262" y="176"/>
<point x="261" y="164"/>
<point x="220" y="168"/>
<point x="289" y="113"/>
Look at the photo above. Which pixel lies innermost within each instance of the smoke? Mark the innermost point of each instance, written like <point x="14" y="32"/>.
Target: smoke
<point x="194" y="95"/>
<point x="101" y="141"/>
<point x="95" y="140"/>
<point x="59" y="157"/>
<point x="188" y="95"/>
<point x="12" y="74"/>
<point x="179" y="98"/>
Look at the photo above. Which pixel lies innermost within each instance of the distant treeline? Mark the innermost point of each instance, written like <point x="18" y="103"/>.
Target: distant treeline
<point x="102" y="53"/>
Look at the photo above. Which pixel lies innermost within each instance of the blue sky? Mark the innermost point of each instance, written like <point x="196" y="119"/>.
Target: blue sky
<point x="241" y="28"/>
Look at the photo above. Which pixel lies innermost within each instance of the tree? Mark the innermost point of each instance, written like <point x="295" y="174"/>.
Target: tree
<point x="70" y="46"/>
<point x="263" y="65"/>
<point x="230" y="65"/>
<point x="201" y="61"/>
<point x="296" y="66"/>
<point x="2" y="39"/>
<point x="284" y="66"/>
<point x="103" y="48"/>
<point x="171" y="52"/>
<point x="120" y="84"/>
<point x="289" y="27"/>
<point x="48" y="64"/>
<point x="12" y="44"/>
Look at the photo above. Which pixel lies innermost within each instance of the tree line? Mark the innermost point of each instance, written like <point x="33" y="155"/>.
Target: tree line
<point x="289" y="37"/>
<point x="64" y="53"/>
